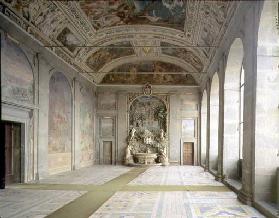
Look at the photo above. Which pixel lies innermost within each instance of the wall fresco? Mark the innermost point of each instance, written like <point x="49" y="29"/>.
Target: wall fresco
<point x="154" y="79"/>
<point x="107" y="126"/>
<point x="86" y="114"/>
<point x="106" y="100"/>
<point x="59" y="126"/>
<point x="68" y="39"/>
<point x="104" y="55"/>
<point x="182" y="53"/>
<point x="148" y="66"/>
<point x="108" y="13"/>
<point x="17" y="81"/>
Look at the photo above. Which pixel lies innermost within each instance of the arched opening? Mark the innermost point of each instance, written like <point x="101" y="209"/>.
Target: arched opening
<point x="233" y="112"/>
<point x="203" y="127"/>
<point x="17" y="88"/>
<point x="267" y="110"/>
<point x="59" y="124"/>
<point x="214" y="123"/>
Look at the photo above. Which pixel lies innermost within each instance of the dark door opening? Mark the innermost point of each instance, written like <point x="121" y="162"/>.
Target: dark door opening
<point x="188" y="153"/>
<point x="12" y="152"/>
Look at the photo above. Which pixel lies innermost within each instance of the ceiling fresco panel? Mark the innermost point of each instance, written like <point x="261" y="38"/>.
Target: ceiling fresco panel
<point x="182" y="53"/>
<point x="148" y="66"/>
<point x="153" y="79"/>
<point x="104" y="55"/>
<point x="108" y="13"/>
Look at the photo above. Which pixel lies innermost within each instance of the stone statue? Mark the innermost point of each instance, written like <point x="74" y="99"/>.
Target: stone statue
<point x="164" y="157"/>
<point x="129" y="158"/>
<point x="132" y="133"/>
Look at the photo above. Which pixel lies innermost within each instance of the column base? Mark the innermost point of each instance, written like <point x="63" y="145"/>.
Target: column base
<point x="245" y="198"/>
<point x="219" y="178"/>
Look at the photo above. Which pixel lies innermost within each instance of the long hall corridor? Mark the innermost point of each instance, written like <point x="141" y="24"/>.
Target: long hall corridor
<point x="118" y="191"/>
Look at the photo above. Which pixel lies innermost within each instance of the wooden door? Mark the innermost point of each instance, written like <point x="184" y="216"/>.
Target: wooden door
<point x="188" y="153"/>
<point x="107" y="152"/>
<point x="12" y="153"/>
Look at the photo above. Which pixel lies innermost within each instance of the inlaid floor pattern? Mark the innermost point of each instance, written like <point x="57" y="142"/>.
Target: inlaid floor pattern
<point x="123" y="192"/>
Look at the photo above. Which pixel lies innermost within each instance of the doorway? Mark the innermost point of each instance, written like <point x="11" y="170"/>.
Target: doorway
<point x="188" y="153"/>
<point x="107" y="152"/>
<point x="12" y="152"/>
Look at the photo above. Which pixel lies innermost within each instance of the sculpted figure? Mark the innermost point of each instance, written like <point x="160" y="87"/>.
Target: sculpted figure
<point x="132" y="133"/>
<point x="128" y="158"/>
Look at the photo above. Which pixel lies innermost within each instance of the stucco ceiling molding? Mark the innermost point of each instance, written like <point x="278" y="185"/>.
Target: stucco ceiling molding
<point x="73" y="12"/>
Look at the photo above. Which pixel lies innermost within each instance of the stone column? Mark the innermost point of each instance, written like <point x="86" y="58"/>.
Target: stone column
<point x="207" y="126"/>
<point x="221" y="121"/>
<point x="199" y="162"/>
<point x="249" y="65"/>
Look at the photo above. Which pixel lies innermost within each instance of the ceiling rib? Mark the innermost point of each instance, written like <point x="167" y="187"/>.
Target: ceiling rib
<point x="120" y="72"/>
<point x="137" y="46"/>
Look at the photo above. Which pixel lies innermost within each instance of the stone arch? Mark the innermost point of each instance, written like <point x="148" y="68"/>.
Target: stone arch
<point x="203" y="127"/>
<point x="17" y="80"/>
<point x="214" y="122"/>
<point x="60" y="124"/>
<point x="233" y="102"/>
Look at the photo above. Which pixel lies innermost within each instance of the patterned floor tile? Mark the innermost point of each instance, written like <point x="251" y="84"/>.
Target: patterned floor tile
<point x="175" y="175"/>
<point x="22" y="203"/>
<point x="97" y="175"/>
<point x="174" y="205"/>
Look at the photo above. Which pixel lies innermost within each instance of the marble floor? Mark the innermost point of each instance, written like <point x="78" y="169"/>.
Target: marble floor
<point x="95" y="175"/>
<point x="175" y="175"/>
<point x="174" y="205"/>
<point x="21" y="203"/>
<point x="126" y="192"/>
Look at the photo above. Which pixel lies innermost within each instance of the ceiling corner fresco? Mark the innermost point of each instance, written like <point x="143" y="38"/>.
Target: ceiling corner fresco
<point x="90" y="35"/>
<point x="67" y="38"/>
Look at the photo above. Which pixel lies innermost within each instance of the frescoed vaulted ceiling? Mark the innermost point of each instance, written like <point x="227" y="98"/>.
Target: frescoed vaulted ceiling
<point x="110" y="40"/>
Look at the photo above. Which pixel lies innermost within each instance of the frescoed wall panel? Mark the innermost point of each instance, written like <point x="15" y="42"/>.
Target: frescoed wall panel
<point x="86" y="115"/>
<point x="60" y="126"/>
<point x="17" y="82"/>
<point x="106" y="101"/>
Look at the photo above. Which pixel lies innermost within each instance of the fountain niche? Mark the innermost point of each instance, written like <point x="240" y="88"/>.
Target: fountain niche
<point x="147" y="140"/>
